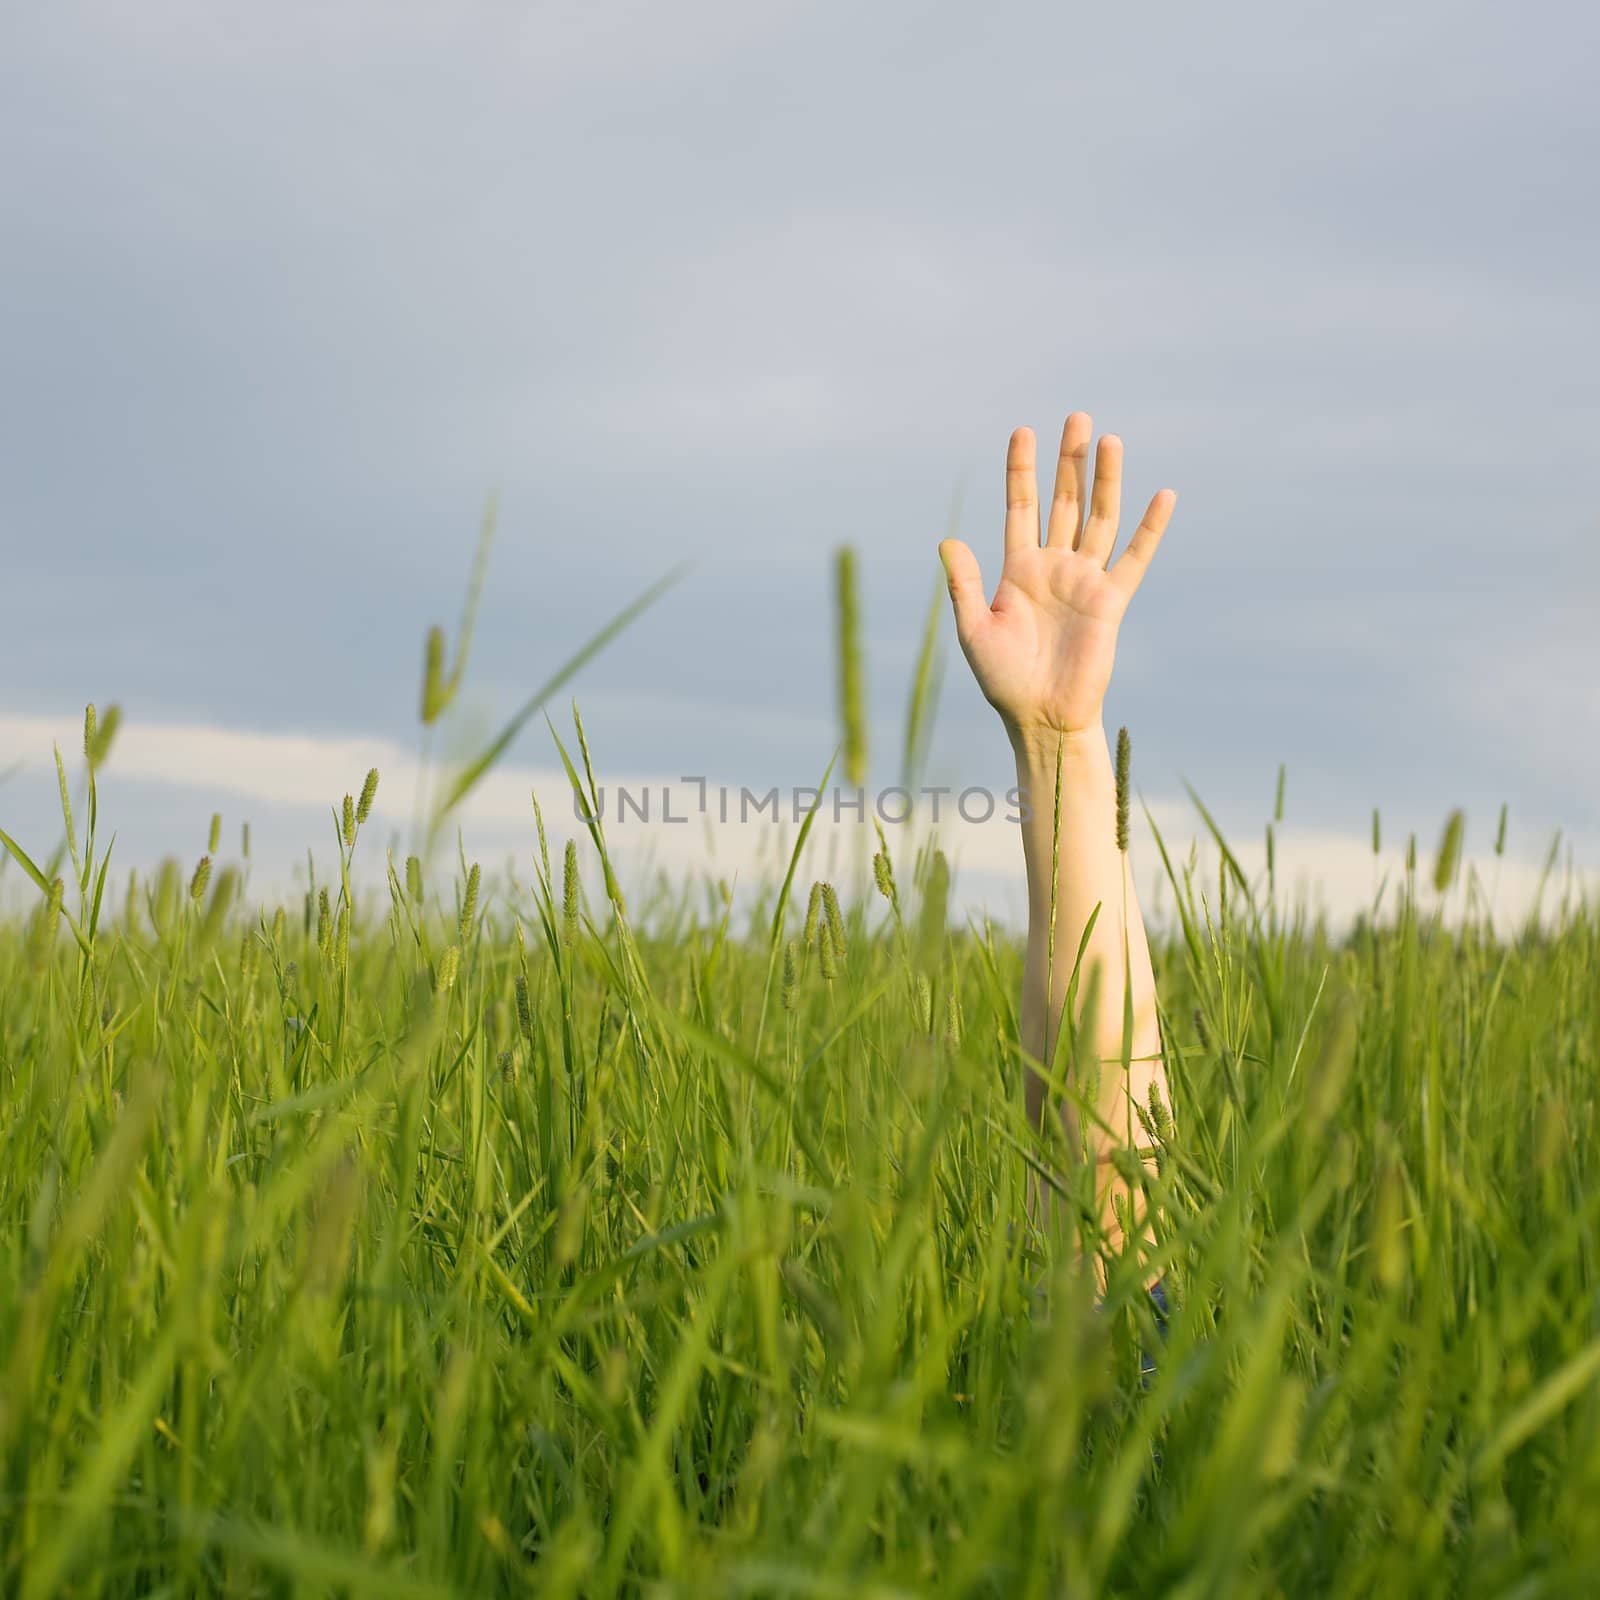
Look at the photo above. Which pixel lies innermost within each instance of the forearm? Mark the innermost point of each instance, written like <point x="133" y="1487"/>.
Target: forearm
<point x="1070" y="877"/>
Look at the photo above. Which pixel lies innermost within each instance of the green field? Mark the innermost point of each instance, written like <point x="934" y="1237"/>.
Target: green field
<point x="473" y="1239"/>
<point x="468" y="1236"/>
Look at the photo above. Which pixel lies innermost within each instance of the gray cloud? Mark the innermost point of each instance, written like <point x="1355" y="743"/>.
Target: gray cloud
<point x="288" y="288"/>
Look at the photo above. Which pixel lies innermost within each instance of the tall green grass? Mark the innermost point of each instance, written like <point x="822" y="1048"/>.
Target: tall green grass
<point x="475" y="1237"/>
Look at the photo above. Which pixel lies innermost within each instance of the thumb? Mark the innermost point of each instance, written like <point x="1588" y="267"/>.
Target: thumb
<point x="966" y="584"/>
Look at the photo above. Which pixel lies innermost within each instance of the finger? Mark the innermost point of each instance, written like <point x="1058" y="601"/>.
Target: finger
<point x="1072" y="482"/>
<point x="966" y="586"/>
<point x="1022" y="493"/>
<point x="1128" y="570"/>
<point x="1105" y="501"/>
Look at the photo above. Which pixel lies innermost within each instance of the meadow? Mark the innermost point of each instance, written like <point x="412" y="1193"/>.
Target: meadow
<point x="483" y="1235"/>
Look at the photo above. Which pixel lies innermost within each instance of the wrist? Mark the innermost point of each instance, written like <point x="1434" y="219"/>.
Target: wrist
<point x="1037" y="745"/>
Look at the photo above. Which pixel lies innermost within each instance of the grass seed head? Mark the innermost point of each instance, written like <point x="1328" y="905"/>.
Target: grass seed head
<point x="544" y="846"/>
<point x="1159" y="1115"/>
<point x="216" y="833"/>
<point x="835" y="921"/>
<point x="414" y="880"/>
<point x="791" y="977"/>
<point x="813" y="910"/>
<point x="1124" y="764"/>
<point x="1448" y="861"/>
<point x="105" y="733"/>
<point x="369" y="793"/>
<point x="249" y="958"/>
<point x="98" y="732"/>
<point x="524" y="1007"/>
<point x="852" y="690"/>
<point x="469" y="902"/>
<point x="202" y="876"/>
<point x="827" y="954"/>
<point x="449" y="968"/>
<point x="433" y="680"/>
<point x="883" y="875"/>
<point x="1161" y="1127"/>
<point x="594" y="800"/>
<point x="347" y="821"/>
<point x="569" y="892"/>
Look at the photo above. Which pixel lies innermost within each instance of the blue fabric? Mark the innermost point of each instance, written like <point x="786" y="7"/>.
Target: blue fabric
<point x="1158" y="1294"/>
<point x="1158" y="1301"/>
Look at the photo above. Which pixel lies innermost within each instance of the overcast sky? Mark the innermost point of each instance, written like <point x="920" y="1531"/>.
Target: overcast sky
<point x="288" y="289"/>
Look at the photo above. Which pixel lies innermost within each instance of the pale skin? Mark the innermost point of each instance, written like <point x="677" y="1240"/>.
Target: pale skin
<point x="1042" y="652"/>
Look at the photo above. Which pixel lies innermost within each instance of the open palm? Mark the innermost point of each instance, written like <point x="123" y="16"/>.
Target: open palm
<point x="1042" y="651"/>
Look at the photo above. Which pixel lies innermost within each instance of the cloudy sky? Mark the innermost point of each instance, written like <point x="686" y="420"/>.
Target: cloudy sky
<point x="289" y="289"/>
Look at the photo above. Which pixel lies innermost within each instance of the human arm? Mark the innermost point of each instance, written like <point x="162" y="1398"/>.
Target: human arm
<point x="1042" y="653"/>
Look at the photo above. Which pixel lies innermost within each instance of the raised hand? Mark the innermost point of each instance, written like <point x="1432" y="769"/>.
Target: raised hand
<point x="1042" y="651"/>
